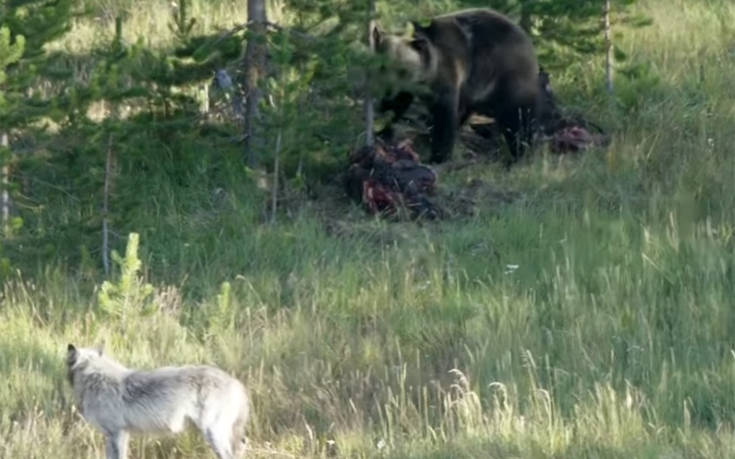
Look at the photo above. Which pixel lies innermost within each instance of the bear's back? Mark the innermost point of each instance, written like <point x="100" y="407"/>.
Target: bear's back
<point x="483" y="26"/>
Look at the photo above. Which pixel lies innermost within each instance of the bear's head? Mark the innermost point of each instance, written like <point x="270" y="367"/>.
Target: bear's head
<point x="410" y="56"/>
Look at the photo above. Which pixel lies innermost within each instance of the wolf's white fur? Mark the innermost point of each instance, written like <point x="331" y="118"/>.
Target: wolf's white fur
<point x="118" y="400"/>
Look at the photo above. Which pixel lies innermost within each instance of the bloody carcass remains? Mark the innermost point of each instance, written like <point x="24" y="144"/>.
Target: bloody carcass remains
<point x="389" y="179"/>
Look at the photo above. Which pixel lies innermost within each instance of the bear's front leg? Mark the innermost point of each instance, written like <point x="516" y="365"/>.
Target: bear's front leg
<point x="444" y="129"/>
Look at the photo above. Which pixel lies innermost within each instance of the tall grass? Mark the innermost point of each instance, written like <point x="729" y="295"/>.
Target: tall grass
<point x="148" y="21"/>
<point x="611" y="338"/>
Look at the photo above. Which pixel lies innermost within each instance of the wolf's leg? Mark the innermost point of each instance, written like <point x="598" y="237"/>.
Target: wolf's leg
<point x="218" y="438"/>
<point x="117" y="445"/>
<point x="238" y="434"/>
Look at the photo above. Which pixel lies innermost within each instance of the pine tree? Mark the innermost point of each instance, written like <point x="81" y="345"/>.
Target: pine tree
<point x="562" y="27"/>
<point x="10" y="52"/>
<point x="27" y="25"/>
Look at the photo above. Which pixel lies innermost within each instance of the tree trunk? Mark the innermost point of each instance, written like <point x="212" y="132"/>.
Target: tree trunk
<point x="608" y="50"/>
<point x="255" y="68"/>
<point x="525" y="22"/>
<point x="369" y="106"/>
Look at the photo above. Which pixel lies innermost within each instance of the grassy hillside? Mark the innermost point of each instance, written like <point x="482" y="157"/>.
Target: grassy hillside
<point x="591" y="316"/>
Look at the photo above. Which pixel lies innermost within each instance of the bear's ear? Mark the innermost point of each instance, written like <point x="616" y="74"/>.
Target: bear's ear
<point x="420" y="44"/>
<point x="376" y="35"/>
<point x="420" y="30"/>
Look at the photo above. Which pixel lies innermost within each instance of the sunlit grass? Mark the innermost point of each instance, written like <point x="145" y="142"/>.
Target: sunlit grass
<point x="149" y="21"/>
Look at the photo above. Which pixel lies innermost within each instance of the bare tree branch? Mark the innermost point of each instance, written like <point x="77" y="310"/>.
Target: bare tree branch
<point x="6" y="185"/>
<point x="274" y="191"/>
<point x="105" y="209"/>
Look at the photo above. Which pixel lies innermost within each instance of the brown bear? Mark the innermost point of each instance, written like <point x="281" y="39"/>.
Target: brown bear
<point x="471" y="61"/>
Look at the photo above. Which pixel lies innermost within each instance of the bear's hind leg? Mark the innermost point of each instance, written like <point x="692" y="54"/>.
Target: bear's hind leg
<point x="516" y="125"/>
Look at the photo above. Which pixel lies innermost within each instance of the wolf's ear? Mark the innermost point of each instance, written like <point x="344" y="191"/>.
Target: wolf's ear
<point x="71" y="354"/>
<point x="100" y="348"/>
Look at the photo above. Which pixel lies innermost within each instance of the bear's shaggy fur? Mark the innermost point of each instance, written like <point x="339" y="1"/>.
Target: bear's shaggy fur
<point x="471" y="61"/>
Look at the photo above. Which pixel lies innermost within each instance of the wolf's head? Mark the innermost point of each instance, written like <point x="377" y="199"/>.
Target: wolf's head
<point x="77" y="358"/>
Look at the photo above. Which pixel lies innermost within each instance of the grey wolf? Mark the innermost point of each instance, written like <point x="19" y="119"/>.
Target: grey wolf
<point x="119" y="401"/>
